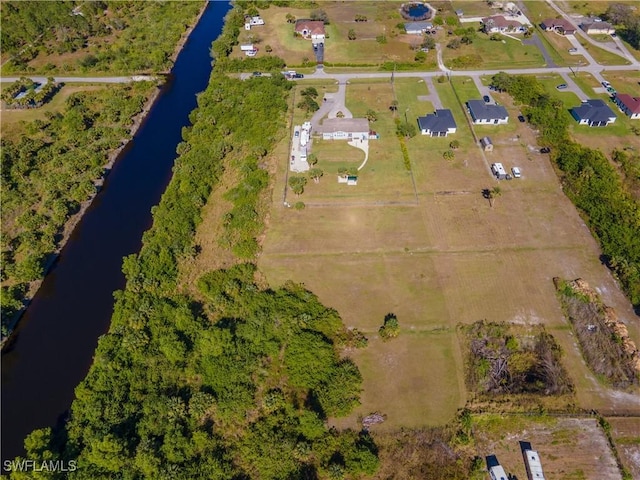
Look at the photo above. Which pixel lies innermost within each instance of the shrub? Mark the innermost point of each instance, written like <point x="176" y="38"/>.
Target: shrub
<point x="390" y="328"/>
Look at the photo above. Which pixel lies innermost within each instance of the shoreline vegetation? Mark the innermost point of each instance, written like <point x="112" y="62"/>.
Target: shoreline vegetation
<point x="112" y="158"/>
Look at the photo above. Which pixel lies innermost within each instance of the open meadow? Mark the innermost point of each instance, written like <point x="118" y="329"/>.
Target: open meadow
<point x="439" y="256"/>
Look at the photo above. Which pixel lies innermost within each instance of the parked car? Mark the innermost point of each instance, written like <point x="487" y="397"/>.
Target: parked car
<point x="573" y="50"/>
<point x="562" y="86"/>
<point x="486" y="99"/>
<point x="545" y="150"/>
<point x="611" y="91"/>
<point x="516" y="172"/>
<point x="257" y="74"/>
<point x="298" y="75"/>
<point x="521" y="118"/>
<point x="606" y="84"/>
<point x="297" y="134"/>
<point x="614" y="35"/>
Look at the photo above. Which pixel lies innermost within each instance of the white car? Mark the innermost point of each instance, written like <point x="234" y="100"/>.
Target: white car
<point x="516" y="172"/>
<point x="606" y="84"/>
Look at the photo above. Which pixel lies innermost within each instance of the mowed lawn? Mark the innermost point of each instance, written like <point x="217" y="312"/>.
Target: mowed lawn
<point x="449" y="259"/>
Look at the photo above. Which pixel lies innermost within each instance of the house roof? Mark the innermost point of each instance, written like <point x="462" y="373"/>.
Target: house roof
<point x="439" y="121"/>
<point x="315" y="27"/>
<point x="418" y="26"/>
<point x="333" y="125"/>
<point x="500" y="22"/>
<point x="484" y="141"/>
<point x="632" y="103"/>
<point x="594" y="110"/>
<point x="593" y="25"/>
<point x="559" y="22"/>
<point x="484" y="111"/>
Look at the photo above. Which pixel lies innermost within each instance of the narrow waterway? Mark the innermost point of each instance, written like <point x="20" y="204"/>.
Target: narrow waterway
<point x="55" y="340"/>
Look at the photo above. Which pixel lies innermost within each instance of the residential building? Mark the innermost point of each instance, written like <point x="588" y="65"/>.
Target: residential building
<point x="487" y="114"/>
<point x="629" y="105"/>
<point x="558" y="25"/>
<point x="593" y="112"/>
<point x="437" y="124"/>
<point x="499" y="24"/>
<point x="252" y="22"/>
<point x="595" y="27"/>
<point x="344" y="129"/>
<point x="311" y="29"/>
<point x="417" y="28"/>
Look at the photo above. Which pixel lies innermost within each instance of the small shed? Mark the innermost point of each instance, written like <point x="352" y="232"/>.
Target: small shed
<point x="486" y="144"/>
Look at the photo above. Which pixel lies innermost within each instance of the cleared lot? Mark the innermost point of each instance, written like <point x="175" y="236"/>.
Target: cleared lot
<point x="451" y="258"/>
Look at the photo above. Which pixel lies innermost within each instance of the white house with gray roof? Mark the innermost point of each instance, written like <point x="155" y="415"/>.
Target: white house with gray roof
<point x="486" y="113"/>
<point x="417" y="28"/>
<point x="593" y="112"/>
<point x="437" y="124"/>
<point x="344" y="129"/>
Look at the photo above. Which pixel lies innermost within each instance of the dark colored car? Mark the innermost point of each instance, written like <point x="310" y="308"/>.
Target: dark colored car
<point x="521" y="118"/>
<point x="298" y="75"/>
<point x="257" y="74"/>
<point x="545" y="150"/>
<point x="486" y="99"/>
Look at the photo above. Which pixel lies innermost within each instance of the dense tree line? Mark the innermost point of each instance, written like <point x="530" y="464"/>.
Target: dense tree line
<point x="49" y="171"/>
<point x="236" y="385"/>
<point x="143" y="35"/>
<point x="628" y="21"/>
<point x="589" y="180"/>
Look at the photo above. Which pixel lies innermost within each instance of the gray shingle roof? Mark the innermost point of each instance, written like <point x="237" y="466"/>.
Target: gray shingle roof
<point x="440" y="121"/>
<point x="484" y="111"/>
<point x="594" y="110"/>
<point x="412" y="26"/>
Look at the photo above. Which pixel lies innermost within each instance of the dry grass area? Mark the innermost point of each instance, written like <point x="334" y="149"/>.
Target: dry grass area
<point x="451" y="258"/>
<point x="626" y="436"/>
<point x="569" y="448"/>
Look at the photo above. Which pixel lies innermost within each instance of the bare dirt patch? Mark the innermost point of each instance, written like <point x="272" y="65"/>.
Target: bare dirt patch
<point x="626" y="436"/>
<point x="569" y="448"/>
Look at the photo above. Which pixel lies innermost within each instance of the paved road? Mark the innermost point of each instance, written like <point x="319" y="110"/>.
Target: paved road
<point x="134" y="78"/>
<point x="617" y="48"/>
<point x="535" y="40"/>
<point x="433" y="94"/>
<point x="572" y="87"/>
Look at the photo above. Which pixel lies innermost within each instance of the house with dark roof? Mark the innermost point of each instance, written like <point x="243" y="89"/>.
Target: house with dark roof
<point x="499" y="24"/>
<point x="437" y="124"/>
<point x="593" y="112"/>
<point x="417" y="28"/>
<point x="558" y="25"/>
<point x="311" y="29"/>
<point x="487" y="114"/>
<point x="595" y="27"/>
<point x="629" y="105"/>
<point x="486" y="144"/>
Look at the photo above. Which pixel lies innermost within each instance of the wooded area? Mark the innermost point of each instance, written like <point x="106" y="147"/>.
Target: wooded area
<point x="103" y="36"/>
<point x="50" y="171"/>
<point x="588" y="179"/>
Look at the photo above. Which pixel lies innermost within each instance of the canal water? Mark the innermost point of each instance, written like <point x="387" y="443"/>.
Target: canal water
<point x="55" y="340"/>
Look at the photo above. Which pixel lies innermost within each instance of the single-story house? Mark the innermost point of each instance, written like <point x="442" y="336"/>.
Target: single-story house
<point x="593" y="112"/>
<point x="558" y="25"/>
<point x="460" y="13"/>
<point x="344" y="129"/>
<point x="311" y="29"/>
<point x="437" y="124"/>
<point x="348" y="179"/>
<point x="487" y="114"/>
<point x="252" y="22"/>
<point x="629" y="105"/>
<point x="594" y="27"/>
<point x="486" y="144"/>
<point x="499" y="24"/>
<point x="417" y="28"/>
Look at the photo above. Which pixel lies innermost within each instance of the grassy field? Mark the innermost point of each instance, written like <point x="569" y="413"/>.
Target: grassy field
<point x="603" y="57"/>
<point x="10" y="119"/>
<point x="624" y="82"/>
<point x="451" y="258"/>
<point x="492" y="54"/>
<point x="626" y="436"/>
<point x="569" y="448"/>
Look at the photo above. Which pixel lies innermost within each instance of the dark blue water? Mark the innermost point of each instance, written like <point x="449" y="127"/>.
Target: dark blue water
<point x="417" y="11"/>
<point x="55" y="340"/>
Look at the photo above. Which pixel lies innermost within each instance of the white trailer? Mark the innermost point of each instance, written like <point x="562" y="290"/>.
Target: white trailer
<point x="247" y="47"/>
<point x="499" y="171"/>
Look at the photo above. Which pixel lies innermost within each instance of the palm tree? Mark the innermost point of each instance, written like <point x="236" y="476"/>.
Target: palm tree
<point x="494" y="193"/>
<point x="315" y="174"/>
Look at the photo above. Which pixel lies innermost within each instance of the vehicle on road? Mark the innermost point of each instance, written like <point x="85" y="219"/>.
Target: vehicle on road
<point x="296" y="134"/>
<point x="614" y="35"/>
<point x="562" y="86"/>
<point x="573" y="50"/>
<point x="606" y="84"/>
<point x="486" y="99"/>
<point x="298" y="75"/>
<point x="521" y="118"/>
<point x="516" y="172"/>
<point x="257" y="74"/>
